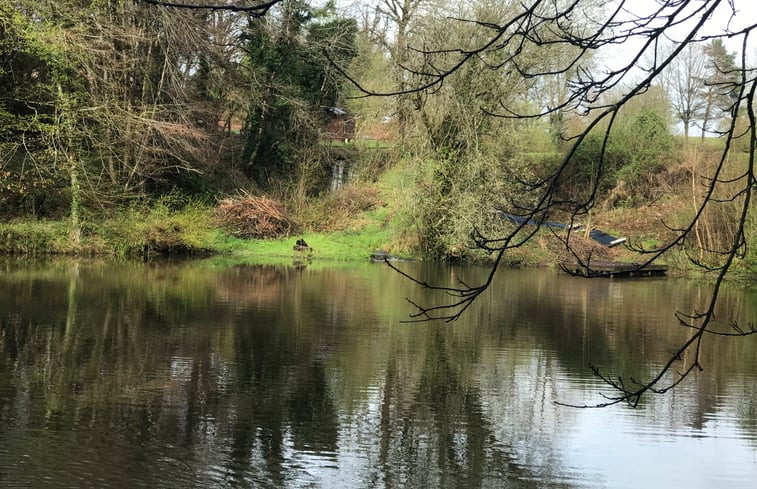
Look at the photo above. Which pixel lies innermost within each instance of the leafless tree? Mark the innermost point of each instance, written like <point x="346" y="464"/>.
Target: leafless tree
<point x="684" y="81"/>
<point x="253" y="8"/>
<point x="586" y="27"/>
<point x="390" y="23"/>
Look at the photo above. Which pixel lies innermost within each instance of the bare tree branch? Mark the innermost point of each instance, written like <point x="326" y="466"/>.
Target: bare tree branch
<point x="542" y="25"/>
<point x="256" y="10"/>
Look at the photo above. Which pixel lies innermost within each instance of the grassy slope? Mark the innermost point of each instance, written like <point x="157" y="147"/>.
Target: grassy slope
<point x="360" y="234"/>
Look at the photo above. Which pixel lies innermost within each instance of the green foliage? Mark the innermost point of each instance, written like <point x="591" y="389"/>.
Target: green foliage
<point x="586" y="159"/>
<point x="451" y="119"/>
<point x="160" y="229"/>
<point x="370" y="67"/>
<point x="722" y="76"/>
<point x="26" y="72"/>
<point x="450" y="197"/>
<point x="33" y="237"/>
<point x="648" y="145"/>
<point x="39" y="95"/>
<point x="634" y="155"/>
<point x="295" y="85"/>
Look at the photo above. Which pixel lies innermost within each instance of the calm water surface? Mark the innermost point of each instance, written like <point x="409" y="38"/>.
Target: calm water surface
<point x="202" y="375"/>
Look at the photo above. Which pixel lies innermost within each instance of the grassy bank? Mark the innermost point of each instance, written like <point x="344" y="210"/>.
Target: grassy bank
<point x="380" y="213"/>
<point x="349" y="245"/>
<point x="191" y="230"/>
<point x="35" y="237"/>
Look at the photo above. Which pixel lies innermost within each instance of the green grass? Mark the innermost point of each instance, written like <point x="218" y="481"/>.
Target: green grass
<point x="359" y="234"/>
<point x="350" y="245"/>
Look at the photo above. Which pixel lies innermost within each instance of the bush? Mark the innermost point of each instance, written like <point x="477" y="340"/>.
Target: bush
<point x="648" y="146"/>
<point x="337" y="210"/>
<point x="160" y="230"/>
<point x="456" y="194"/>
<point x="634" y="156"/>
<point x="33" y="237"/>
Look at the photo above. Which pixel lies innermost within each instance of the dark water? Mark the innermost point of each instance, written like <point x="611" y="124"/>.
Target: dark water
<point x="201" y="375"/>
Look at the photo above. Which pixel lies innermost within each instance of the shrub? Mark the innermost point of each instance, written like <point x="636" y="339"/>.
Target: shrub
<point x="33" y="237"/>
<point x="456" y="194"/>
<point x="337" y="210"/>
<point x="160" y="230"/>
<point x="634" y="156"/>
<point x="647" y="145"/>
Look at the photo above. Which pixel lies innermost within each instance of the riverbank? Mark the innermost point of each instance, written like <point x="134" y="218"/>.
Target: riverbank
<point x="160" y="231"/>
<point x="187" y="234"/>
<point x="191" y="229"/>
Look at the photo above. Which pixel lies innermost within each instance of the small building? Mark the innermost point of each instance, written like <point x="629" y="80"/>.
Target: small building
<point x="341" y="126"/>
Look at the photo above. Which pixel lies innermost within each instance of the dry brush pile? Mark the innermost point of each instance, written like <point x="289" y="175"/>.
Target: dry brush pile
<point x="253" y="217"/>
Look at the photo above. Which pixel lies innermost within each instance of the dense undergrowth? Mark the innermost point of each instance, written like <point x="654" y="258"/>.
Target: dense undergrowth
<point x="417" y="207"/>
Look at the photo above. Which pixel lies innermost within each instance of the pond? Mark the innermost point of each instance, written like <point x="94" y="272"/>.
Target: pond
<point x="201" y="374"/>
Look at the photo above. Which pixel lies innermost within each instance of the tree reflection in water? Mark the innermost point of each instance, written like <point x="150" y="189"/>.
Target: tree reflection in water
<point x="192" y="375"/>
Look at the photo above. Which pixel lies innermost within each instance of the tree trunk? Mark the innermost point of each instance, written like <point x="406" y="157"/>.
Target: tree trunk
<point x="66" y="145"/>
<point x="73" y="170"/>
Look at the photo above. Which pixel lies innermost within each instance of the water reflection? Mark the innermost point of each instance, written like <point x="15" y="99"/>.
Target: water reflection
<point x="194" y="375"/>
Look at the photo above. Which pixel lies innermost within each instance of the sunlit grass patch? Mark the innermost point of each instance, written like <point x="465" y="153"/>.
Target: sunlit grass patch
<point x="350" y="245"/>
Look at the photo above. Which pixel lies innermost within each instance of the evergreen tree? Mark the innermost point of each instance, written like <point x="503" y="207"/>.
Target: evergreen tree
<point x="293" y="84"/>
<point x="720" y="83"/>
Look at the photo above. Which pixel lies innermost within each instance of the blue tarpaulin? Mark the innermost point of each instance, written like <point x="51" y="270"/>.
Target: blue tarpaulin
<point x="604" y="238"/>
<point x="595" y="234"/>
<point x="516" y="219"/>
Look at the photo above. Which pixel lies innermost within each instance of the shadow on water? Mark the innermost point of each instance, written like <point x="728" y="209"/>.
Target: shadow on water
<point x="190" y="374"/>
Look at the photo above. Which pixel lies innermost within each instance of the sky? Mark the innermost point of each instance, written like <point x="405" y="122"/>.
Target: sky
<point x="721" y="21"/>
<point x="746" y="14"/>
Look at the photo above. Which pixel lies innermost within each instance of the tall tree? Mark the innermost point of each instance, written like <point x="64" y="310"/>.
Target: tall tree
<point x="292" y="83"/>
<point x="138" y="91"/>
<point x="720" y="83"/>
<point x="684" y="80"/>
<point x="392" y="23"/>
<point x="39" y="110"/>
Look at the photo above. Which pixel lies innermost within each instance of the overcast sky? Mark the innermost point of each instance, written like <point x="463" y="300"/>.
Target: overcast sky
<point x="722" y="21"/>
